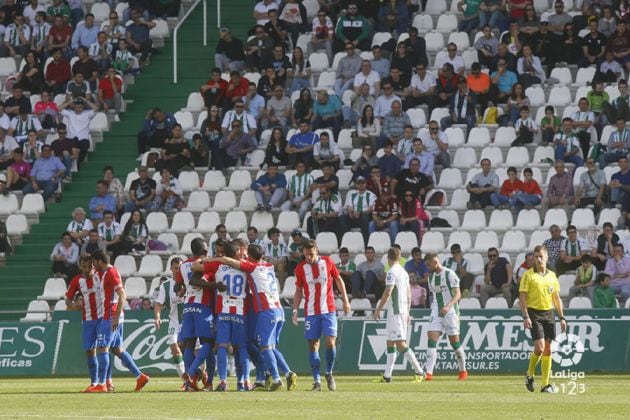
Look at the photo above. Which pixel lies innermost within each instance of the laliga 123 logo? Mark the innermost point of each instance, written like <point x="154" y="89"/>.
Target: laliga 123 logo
<point x="567" y="350"/>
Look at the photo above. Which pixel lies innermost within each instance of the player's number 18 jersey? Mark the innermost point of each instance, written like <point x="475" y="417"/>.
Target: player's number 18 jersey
<point x="232" y="300"/>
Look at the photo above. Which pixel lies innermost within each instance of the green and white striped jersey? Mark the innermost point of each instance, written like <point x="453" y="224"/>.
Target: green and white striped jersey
<point x="299" y="185"/>
<point x="441" y="286"/>
<point x="165" y="295"/>
<point x="450" y="263"/>
<point x="398" y="278"/>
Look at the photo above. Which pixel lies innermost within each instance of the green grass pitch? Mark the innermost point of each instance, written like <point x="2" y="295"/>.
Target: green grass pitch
<point x="356" y="398"/>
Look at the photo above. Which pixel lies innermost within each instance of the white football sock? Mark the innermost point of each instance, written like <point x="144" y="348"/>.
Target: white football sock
<point x="431" y="359"/>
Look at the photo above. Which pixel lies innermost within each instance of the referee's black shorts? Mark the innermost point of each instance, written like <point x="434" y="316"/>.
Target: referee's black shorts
<point x="543" y="324"/>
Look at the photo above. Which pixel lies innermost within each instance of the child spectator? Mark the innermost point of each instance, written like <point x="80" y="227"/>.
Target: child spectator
<point x="585" y="277"/>
<point x="525" y="127"/>
<point x="604" y="297"/>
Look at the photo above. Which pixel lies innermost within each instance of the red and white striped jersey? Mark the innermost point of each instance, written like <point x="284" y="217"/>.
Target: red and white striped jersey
<point x="109" y="282"/>
<point x="233" y="300"/>
<point x="90" y="291"/>
<point x="263" y="285"/>
<point x="316" y="281"/>
<point x="200" y="295"/>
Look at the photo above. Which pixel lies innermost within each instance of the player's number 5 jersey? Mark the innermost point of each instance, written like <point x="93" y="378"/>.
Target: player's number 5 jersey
<point x="232" y="300"/>
<point x="441" y="285"/>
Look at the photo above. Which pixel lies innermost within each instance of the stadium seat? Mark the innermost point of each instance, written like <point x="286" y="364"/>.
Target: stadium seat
<point x="459" y="199"/>
<point x="195" y="102"/>
<point x="583" y="219"/>
<point x="527" y="220"/>
<point x="248" y="201"/>
<point x="471" y="174"/>
<point x="580" y="303"/>
<point x="541" y="153"/>
<point x="461" y="238"/>
<point x="213" y="181"/>
<point x="469" y="303"/>
<point x="446" y="23"/>
<point x="559" y="96"/>
<point x="538" y="237"/>
<point x="465" y="157"/>
<point x="157" y="222"/>
<point x="255" y="158"/>
<point x="361" y="305"/>
<point x="353" y="241"/>
<point x="380" y="241"/>
<point x="240" y="180"/>
<point x="517" y="157"/>
<point x="613" y="92"/>
<point x="131" y="176"/>
<point x="500" y="220"/>
<point x="450" y="178"/>
<point x="189" y="180"/>
<point x="474" y="220"/>
<point x="326" y="80"/>
<point x="493" y="154"/>
<point x="451" y="217"/>
<point x="185" y="249"/>
<point x="54" y="289"/>
<point x="514" y="241"/>
<point x="479" y="137"/>
<point x="288" y="291"/>
<point x="504" y="136"/>
<point x="224" y="201"/>
<point x="262" y="220"/>
<point x="33" y="204"/>
<point x="475" y="262"/>
<point x="151" y="265"/>
<point x="198" y="201"/>
<point x="126" y="265"/>
<point x="407" y="241"/>
<point x="555" y="217"/>
<point x="100" y="11"/>
<point x="432" y="242"/>
<point x="183" y="222"/>
<point x="345" y="139"/>
<point x="60" y="305"/>
<point x="379" y="38"/>
<point x="455" y="137"/>
<point x="37" y="310"/>
<point x="584" y="76"/>
<point x="417" y="117"/>
<point x="155" y="283"/>
<point x="17" y="224"/>
<point x="563" y="74"/>
<point x="438" y="113"/>
<point x="345" y="178"/>
<point x="423" y="23"/>
<point x="302" y="42"/>
<point x="135" y="287"/>
<point x="9" y="204"/>
<point x="497" y="303"/>
<point x="536" y="96"/>
<point x="581" y="93"/>
<point x="236" y="221"/>
<point x="327" y="242"/>
<point x="208" y="221"/>
<point x="434" y="41"/>
<point x="460" y="39"/>
<point x="436" y="7"/>
<point x="171" y="242"/>
<point x="609" y="215"/>
<point x="125" y="218"/>
<point x="569" y="110"/>
<point x="606" y="132"/>
<point x="566" y="282"/>
<point x="287" y="221"/>
<point x="484" y="240"/>
<point x="577" y="174"/>
<point x="185" y="119"/>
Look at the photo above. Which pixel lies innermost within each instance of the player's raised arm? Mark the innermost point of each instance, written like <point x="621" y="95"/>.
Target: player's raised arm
<point x="197" y="266"/>
<point x="198" y="281"/>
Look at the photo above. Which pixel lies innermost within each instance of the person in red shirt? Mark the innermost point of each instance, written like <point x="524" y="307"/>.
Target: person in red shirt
<point x="109" y="91"/>
<point x="510" y="187"/>
<point x="57" y="73"/>
<point x="214" y="90"/>
<point x="529" y="193"/>
<point x="517" y="8"/>
<point x="46" y="111"/>
<point x="19" y="172"/>
<point x="236" y="89"/>
<point x="59" y="37"/>
<point x="385" y="215"/>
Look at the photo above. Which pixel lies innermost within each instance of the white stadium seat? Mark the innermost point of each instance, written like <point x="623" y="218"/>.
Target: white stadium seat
<point x="479" y="137"/>
<point x="185" y="119"/>
<point x="566" y="282"/>
<point x="484" y="240"/>
<point x="465" y="157"/>
<point x="536" y="96"/>
<point x="157" y="222"/>
<point x="450" y="178"/>
<point x="469" y="303"/>
<point x="37" y="310"/>
<point x="183" y="222"/>
<point x="407" y="241"/>
<point x="461" y="238"/>
<point x="189" y="180"/>
<point x="171" y="242"/>
<point x="151" y="265"/>
<point x="432" y="242"/>
<point x="580" y="303"/>
<point x="327" y="242"/>
<point x="436" y="7"/>
<point x="455" y="136"/>
<point x="17" y="224"/>
<point x="555" y="217"/>
<point x="213" y="181"/>
<point x="262" y="220"/>
<point x="583" y="219"/>
<point x="563" y="74"/>
<point x="195" y="102"/>
<point x="497" y="303"/>
<point x="353" y="241"/>
<point x="474" y="220"/>
<point x="504" y="136"/>
<point x="500" y="220"/>
<point x="380" y="241"/>
<point x="451" y="217"/>
<point x="287" y="221"/>
<point x="559" y="96"/>
<point x="538" y="237"/>
<point x="9" y="204"/>
<point x="434" y="41"/>
<point x="33" y="204"/>
<point x="185" y="249"/>
<point x="208" y="221"/>
<point x="224" y="201"/>
<point x="446" y="23"/>
<point x="517" y="156"/>
<point x="460" y="39"/>
<point x="54" y="289"/>
<point x="528" y="220"/>
<point x="423" y="23"/>
<point x="236" y="221"/>
<point x="126" y="265"/>
<point x="513" y="241"/>
<point x="198" y="201"/>
<point x="240" y="180"/>
<point x="135" y="287"/>
<point x="493" y="154"/>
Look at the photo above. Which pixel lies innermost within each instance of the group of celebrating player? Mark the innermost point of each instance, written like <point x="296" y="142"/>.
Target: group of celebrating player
<point x="231" y="303"/>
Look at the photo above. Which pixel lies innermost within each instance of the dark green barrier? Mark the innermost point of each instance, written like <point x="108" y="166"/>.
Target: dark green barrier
<point x="495" y="342"/>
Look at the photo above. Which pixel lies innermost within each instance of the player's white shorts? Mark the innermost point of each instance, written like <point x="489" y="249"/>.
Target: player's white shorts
<point x="397" y="326"/>
<point x="448" y="324"/>
<point x="173" y="332"/>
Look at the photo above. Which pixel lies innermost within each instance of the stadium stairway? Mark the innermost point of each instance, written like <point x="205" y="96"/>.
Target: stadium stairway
<point x="22" y="278"/>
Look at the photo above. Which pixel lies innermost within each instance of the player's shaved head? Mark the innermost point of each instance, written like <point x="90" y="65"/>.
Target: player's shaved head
<point x="198" y="247"/>
<point x="255" y="252"/>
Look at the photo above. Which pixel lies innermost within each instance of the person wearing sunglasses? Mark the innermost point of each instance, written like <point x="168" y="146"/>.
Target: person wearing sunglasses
<point x="353" y="28"/>
<point x="497" y="278"/>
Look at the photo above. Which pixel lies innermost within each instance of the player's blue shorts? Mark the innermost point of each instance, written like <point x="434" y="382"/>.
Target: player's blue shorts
<point x="197" y="321"/>
<point x="317" y="325"/>
<point x="90" y="333"/>
<point x="108" y="338"/>
<point x="269" y="326"/>
<point x="250" y="322"/>
<point x="231" y="329"/>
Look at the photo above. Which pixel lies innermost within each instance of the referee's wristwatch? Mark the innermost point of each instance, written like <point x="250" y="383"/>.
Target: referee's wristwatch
<point x="562" y="319"/>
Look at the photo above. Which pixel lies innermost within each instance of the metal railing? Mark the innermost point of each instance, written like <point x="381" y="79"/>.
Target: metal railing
<point x="205" y="29"/>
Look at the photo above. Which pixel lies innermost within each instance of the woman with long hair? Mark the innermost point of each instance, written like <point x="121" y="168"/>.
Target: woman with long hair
<point x="275" y="151"/>
<point x="303" y="107"/>
<point x="300" y="71"/>
<point x="31" y="77"/>
<point x="364" y="163"/>
<point x="135" y="234"/>
<point x="211" y="133"/>
<point x="402" y="61"/>
<point x="515" y="101"/>
<point x="368" y="128"/>
<point x="412" y="215"/>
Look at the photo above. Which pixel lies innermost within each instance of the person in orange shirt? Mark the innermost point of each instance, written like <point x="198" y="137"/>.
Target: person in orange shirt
<point x="529" y="193"/>
<point x="480" y="84"/>
<point x="510" y="187"/>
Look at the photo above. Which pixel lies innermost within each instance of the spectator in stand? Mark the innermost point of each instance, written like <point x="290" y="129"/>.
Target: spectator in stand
<point x="497" y="278"/>
<point x="346" y="267"/>
<point x="234" y="146"/>
<point x="470" y="21"/>
<point x="570" y="46"/>
<point x="550" y="125"/>
<point x="64" y="257"/>
<point x="543" y="45"/>
<point x="422" y="88"/>
<point x="261" y="9"/>
<point x="529" y="193"/>
<point x="369" y="278"/>
<point x="363" y="164"/>
<point x="101" y="202"/>
<point x="412" y="215"/>
<point x="326" y="151"/>
<point x="325" y="214"/>
<point x="376" y="183"/>
<point x="572" y="249"/>
<point x="134" y="235"/>
<point x="393" y="17"/>
<point x="435" y="141"/>
<point x="417" y="269"/>
<point x="359" y="206"/>
<point x="213" y="91"/>
<point x="479" y="83"/>
<point x="302" y="107"/>
<point x="88" y="67"/>
<point x="32" y="147"/>
<point x="57" y="73"/>
<point x="221" y="238"/>
<point x="114" y="30"/>
<point x="31" y="11"/>
<point x="619" y="44"/>
<point x="352" y="28"/>
<point x="323" y="34"/>
<point x="59" y="37"/>
<point x="393" y="126"/>
<point x="591" y="188"/>
<point x="385" y="102"/>
<point x="604" y="296"/>
<point x="328" y="180"/>
<point x="530" y="71"/>
<point x="529" y="25"/>
<point x="139" y="39"/>
<point x="487" y="47"/>
<point x="349" y="66"/>
<point x="64" y="148"/>
<point x="256" y="48"/>
<point x="270" y="189"/>
<point x="606" y="243"/>
<point x="279" y="62"/>
<point x="455" y="60"/>
<point x="300" y="71"/>
<point x="86" y="34"/>
<point x="597" y="98"/>
<point x="276" y="253"/>
<point x="22" y="124"/>
<point x="513" y="39"/>
<point x="385" y="216"/>
<point x="275" y="153"/>
<point x="593" y="46"/>
<point x="327" y="112"/>
<point x="79" y="124"/>
<point x="18" y="172"/>
<point x="296" y="254"/>
<point x="110" y="91"/>
<point x="482" y="186"/>
<point x="45" y="175"/>
<point x="618" y="145"/>
<point x="278" y="111"/>
<point x="93" y="243"/>
<point x="359" y="101"/>
<point x="402" y="61"/>
<point x="46" y="111"/>
<point x="17" y="102"/>
<point x="610" y="70"/>
<point x="267" y="82"/>
<point x="16" y="38"/>
<point x="389" y="164"/>
<point x="618" y="268"/>
<point x="79" y="88"/>
<point x="583" y="121"/>
<point x="156" y="128"/>
<point x="30" y="77"/>
<point x="461" y="107"/>
<point x="567" y="145"/>
<point x="620" y="185"/>
<point x="254" y="104"/>
<point x="59" y="8"/>
<point x="198" y="152"/>
<point x="526" y="265"/>
<point x="229" y="53"/>
<point x="379" y="64"/>
<point x="169" y="194"/>
<point x="427" y="160"/>
<point x="246" y="120"/>
<point x="618" y="107"/>
<point x="460" y="266"/>
<point x="293" y="14"/>
<point x="510" y="187"/>
<point x="446" y="86"/>
<point x="7" y="146"/>
<point x="114" y="187"/>
<point x="299" y="191"/>
<point x="124" y="61"/>
<point x="560" y="188"/>
<point x="252" y="236"/>
<point x="109" y="231"/>
<point x="369" y="77"/>
<point x="80" y="226"/>
<point x="211" y="133"/>
<point x="301" y="144"/>
<point x="277" y="29"/>
<point x="412" y="179"/>
<point x="554" y="246"/>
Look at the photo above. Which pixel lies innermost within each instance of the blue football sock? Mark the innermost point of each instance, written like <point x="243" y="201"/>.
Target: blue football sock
<point x="129" y="363"/>
<point x="222" y="362"/>
<point x="237" y="365"/>
<point x="313" y="357"/>
<point x="331" y="354"/>
<point x="243" y="357"/>
<point x="282" y="363"/>
<point x="202" y="355"/>
<point x="211" y="365"/>
<point x="256" y="357"/>
<point x="92" y="363"/>
<point x="110" y="367"/>
<point x="189" y="357"/>
<point x="103" y="364"/>
<point x="271" y="363"/>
